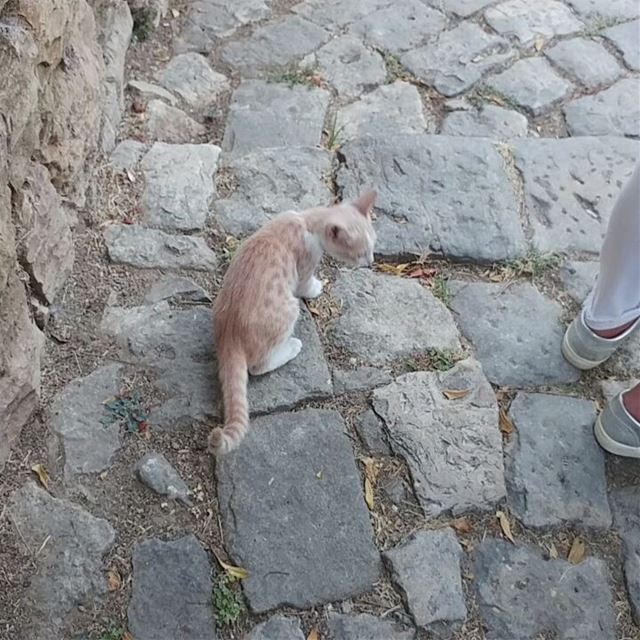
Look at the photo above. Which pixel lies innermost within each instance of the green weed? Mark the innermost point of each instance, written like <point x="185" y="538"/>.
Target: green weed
<point x="112" y="633"/>
<point x="441" y="289"/>
<point x="334" y="135"/>
<point x="292" y="76"/>
<point x="227" y="601"/>
<point x="128" y="411"/>
<point x="535" y="264"/>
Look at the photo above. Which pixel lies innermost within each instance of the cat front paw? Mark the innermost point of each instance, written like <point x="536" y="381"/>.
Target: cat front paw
<point x="313" y="289"/>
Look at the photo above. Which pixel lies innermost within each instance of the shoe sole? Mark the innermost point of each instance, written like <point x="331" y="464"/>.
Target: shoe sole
<point x="578" y="361"/>
<point x="611" y="445"/>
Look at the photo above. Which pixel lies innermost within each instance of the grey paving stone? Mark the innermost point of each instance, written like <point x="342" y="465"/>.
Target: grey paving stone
<point x="626" y="38"/>
<point x="578" y="278"/>
<point x="76" y="417"/>
<point x="626" y="513"/>
<point x="264" y="115"/>
<point x="156" y="472"/>
<point x="348" y="65"/>
<point x="626" y="360"/>
<point x="165" y="123"/>
<point x="463" y="8"/>
<point x="400" y="27"/>
<point x="149" y="249"/>
<point x="176" y="289"/>
<point x="277" y="628"/>
<point x="360" y="379"/>
<point x="586" y="61"/>
<point x="171" y="593"/>
<point x="488" y="121"/>
<point x="455" y="60"/>
<point x="274" y="45"/>
<point x="127" y="154"/>
<point x="178" y="185"/>
<point x="523" y="595"/>
<point x="69" y="572"/>
<point x="270" y="181"/>
<point x="529" y="21"/>
<point x="570" y="186"/>
<point x="513" y="350"/>
<point x="391" y="109"/>
<point x="436" y="602"/>
<point x="365" y="627"/>
<point x="190" y="76"/>
<point x="616" y="9"/>
<point x="294" y="513"/>
<point x="532" y="84"/>
<point x="149" y="91"/>
<point x="377" y="322"/>
<point x="614" y="111"/>
<point x="612" y="387"/>
<point x="335" y="14"/>
<point x="448" y="194"/>
<point x="554" y="466"/>
<point x="453" y="447"/>
<point x="370" y="430"/>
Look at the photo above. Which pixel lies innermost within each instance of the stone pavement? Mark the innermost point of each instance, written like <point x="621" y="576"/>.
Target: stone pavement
<point x="363" y="502"/>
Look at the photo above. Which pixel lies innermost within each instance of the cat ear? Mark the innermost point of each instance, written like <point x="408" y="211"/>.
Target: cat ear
<point x="364" y="203"/>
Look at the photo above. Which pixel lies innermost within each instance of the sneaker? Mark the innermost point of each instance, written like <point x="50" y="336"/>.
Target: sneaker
<point x="617" y="431"/>
<point x="586" y="350"/>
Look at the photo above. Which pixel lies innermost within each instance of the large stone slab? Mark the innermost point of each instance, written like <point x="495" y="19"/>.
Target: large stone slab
<point x="336" y="14"/>
<point x="378" y="319"/>
<point x="263" y="115"/>
<point x="76" y="417"/>
<point x="513" y="350"/>
<point x="155" y="471"/>
<point x="277" y="628"/>
<point x="274" y="45"/>
<point x="554" y="466"/>
<point x="570" y="187"/>
<point x="127" y="154"/>
<point x="68" y="569"/>
<point x="176" y="289"/>
<point x="294" y="514"/>
<point x="165" y="123"/>
<point x="626" y="513"/>
<point x="270" y="181"/>
<point x="488" y="121"/>
<point x="531" y="21"/>
<point x="448" y="194"/>
<point x="455" y="60"/>
<point x="578" y="278"/>
<point x="463" y="8"/>
<point x="614" y="111"/>
<point x="626" y="38"/>
<point x="523" y="595"/>
<point x="171" y="593"/>
<point x="532" y="84"/>
<point x="365" y="627"/>
<point x="178" y="185"/>
<point x="153" y="249"/>
<point x="615" y="9"/>
<point x="427" y="570"/>
<point x="453" y="447"/>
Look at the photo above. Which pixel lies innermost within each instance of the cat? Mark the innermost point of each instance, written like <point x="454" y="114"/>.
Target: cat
<point x="257" y="307"/>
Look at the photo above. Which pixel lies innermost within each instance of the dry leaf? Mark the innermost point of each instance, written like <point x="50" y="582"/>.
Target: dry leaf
<point x="235" y="572"/>
<point x="114" y="581"/>
<point x="455" y="394"/>
<point x="368" y="493"/>
<point x="393" y="269"/>
<point x="127" y="636"/>
<point x="462" y="525"/>
<point x="577" y="552"/>
<point x="538" y="44"/>
<point x="505" y="526"/>
<point x="42" y="474"/>
<point x="131" y="175"/>
<point x="313" y="634"/>
<point x="175" y="13"/>
<point x="553" y="552"/>
<point x="506" y="426"/>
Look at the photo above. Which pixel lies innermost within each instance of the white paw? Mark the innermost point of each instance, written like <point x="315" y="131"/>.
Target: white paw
<point x="295" y="346"/>
<point x="314" y="288"/>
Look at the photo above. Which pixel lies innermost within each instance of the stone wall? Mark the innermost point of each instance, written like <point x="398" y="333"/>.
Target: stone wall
<point x="61" y="77"/>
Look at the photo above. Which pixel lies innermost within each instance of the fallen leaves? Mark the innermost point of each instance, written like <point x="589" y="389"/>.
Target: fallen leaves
<point x="370" y="474"/>
<point x="314" y="634"/>
<point x="415" y="269"/>
<point x="114" y="581"/>
<point x="238" y="573"/>
<point x="553" y="551"/>
<point x="393" y="269"/>
<point x="455" y="394"/>
<point x="462" y="525"/>
<point x="504" y="421"/>
<point x="505" y="525"/>
<point x="577" y="552"/>
<point x="43" y="475"/>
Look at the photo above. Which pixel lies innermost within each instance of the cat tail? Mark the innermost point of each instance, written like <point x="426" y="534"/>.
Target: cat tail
<point x="233" y="374"/>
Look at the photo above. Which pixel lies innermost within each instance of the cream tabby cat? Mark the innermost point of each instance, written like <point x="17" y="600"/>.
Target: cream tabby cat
<point x="257" y="307"/>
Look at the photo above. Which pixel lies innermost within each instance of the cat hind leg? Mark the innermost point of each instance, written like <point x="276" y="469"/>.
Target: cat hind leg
<point x="278" y="357"/>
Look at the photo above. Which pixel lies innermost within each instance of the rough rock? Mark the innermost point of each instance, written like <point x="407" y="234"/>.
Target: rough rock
<point x="274" y="45"/>
<point x="570" y="186"/>
<point x="360" y="379"/>
<point x="190" y="76"/>
<point x="626" y="38"/>
<point x="554" y="466"/>
<point x="176" y="289"/>
<point x="168" y="124"/>
<point x="377" y="322"/>
<point x="291" y="501"/>
<point x="365" y="627"/>
<point x="626" y="360"/>
<point x="256" y="117"/>
<point x="76" y="417"/>
<point x="171" y="593"/>
<point x="578" y="278"/>
<point x="156" y="472"/>
<point x="436" y="602"/>
<point x="400" y="27"/>
<point x="448" y="194"/>
<point x="68" y="570"/>
<point x="336" y="14"/>
<point x="532" y="84"/>
<point x="370" y="430"/>
<point x="626" y="513"/>
<point x="178" y="185"/>
<point x="488" y="121"/>
<point x="127" y="154"/>
<point x="277" y="628"/>
<point x="531" y="21"/>
<point x="616" y="9"/>
<point x="523" y="595"/>
<point x="586" y="61"/>
<point x="347" y="65"/>
<point x="388" y="110"/>
<point x="463" y="8"/>
<point x="457" y="59"/>
<point x="148" y="91"/>
<point x="453" y="447"/>
<point x="513" y="350"/>
<point x="270" y="181"/>
<point x="149" y="249"/>
<point x="614" y="111"/>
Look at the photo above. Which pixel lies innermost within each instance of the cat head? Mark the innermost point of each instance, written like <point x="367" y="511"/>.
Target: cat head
<point x="348" y="234"/>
